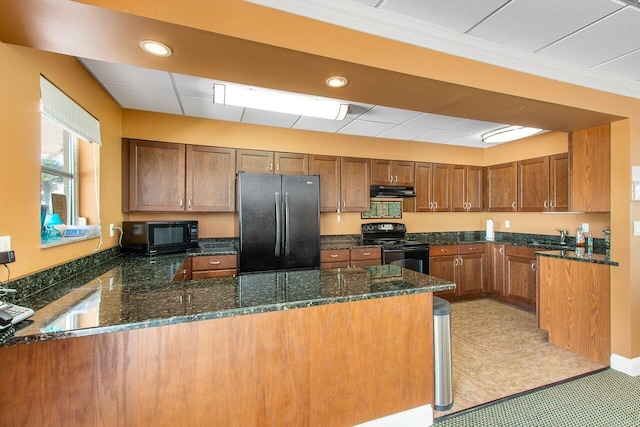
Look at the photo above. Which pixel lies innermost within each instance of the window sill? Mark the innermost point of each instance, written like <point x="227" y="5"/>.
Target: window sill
<point x="93" y="232"/>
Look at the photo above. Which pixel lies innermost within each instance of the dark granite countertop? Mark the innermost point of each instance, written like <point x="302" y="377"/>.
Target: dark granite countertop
<point x="579" y="254"/>
<point x="131" y="292"/>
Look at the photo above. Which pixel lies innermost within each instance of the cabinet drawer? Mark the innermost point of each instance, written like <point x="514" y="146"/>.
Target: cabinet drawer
<point x="365" y="254"/>
<point x="442" y="250"/>
<point x="337" y="264"/>
<point x="334" y="255"/>
<point x="214" y="262"/>
<point x="208" y="274"/>
<point x="521" y="251"/>
<point x="475" y="248"/>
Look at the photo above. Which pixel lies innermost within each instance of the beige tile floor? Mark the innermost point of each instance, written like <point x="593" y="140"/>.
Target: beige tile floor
<point x="498" y="351"/>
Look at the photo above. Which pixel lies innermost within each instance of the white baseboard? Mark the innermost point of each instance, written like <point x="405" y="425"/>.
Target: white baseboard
<point x="422" y="416"/>
<point x="625" y="365"/>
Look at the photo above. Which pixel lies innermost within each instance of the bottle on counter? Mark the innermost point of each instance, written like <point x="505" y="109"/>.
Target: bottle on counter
<point x="590" y="243"/>
<point x="579" y="238"/>
<point x="607" y="238"/>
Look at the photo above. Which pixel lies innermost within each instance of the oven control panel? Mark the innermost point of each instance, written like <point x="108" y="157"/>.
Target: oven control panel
<point x="383" y="226"/>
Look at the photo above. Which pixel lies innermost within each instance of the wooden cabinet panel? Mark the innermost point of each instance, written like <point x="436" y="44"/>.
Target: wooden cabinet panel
<point x="404" y="173"/>
<point x="496" y="282"/>
<point x="210" y="178"/>
<point x="467" y="188"/>
<point x="533" y="188"/>
<point x="444" y="267"/>
<point x="423" y="173"/>
<point x="502" y="187"/>
<point x="291" y="163"/>
<point x="328" y="168"/>
<point x="355" y="188"/>
<point x="559" y="182"/>
<point x="471" y="274"/>
<point x="520" y="277"/>
<point x="574" y="306"/>
<point x="204" y="267"/>
<point x="254" y="161"/>
<point x="463" y="264"/>
<point x="156" y="176"/>
<point x="361" y="257"/>
<point x="335" y="258"/>
<point x="433" y="187"/>
<point x="590" y="169"/>
<point x="382" y="172"/>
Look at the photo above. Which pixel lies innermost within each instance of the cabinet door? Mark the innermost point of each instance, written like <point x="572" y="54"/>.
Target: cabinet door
<point x="458" y="188"/>
<point x="502" y="187"/>
<point x="521" y="276"/>
<point x="210" y="179"/>
<point x="354" y="179"/>
<point x="444" y="267"/>
<point x="496" y="269"/>
<point x="559" y="182"/>
<point x="474" y="188"/>
<point x="156" y="176"/>
<point x="382" y="172"/>
<point x="423" y="187"/>
<point x="404" y="173"/>
<point x="590" y="167"/>
<point x="470" y="274"/>
<point x="328" y="168"/>
<point x="441" y="187"/>
<point x="291" y="163"/>
<point x="533" y="188"/>
<point x="254" y="161"/>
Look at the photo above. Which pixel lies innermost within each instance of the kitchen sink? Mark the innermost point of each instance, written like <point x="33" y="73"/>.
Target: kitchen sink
<point x="548" y="245"/>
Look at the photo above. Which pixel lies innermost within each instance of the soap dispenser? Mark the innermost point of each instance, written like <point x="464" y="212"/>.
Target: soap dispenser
<point x="579" y="238"/>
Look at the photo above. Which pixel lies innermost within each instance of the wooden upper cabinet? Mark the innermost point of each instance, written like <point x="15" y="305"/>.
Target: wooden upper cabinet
<point x="559" y="182"/>
<point x="210" y="179"/>
<point x="156" y="176"/>
<point x="258" y="161"/>
<point x="392" y="172"/>
<point x="433" y="187"/>
<point x="467" y="188"/>
<point x="590" y="169"/>
<point x="328" y="168"/>
<point x="502" y="187"/>
<point x="354" y="184"/>
<point x="533" y="191"/>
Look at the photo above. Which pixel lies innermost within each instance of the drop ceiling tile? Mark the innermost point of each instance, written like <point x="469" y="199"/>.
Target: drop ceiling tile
<point x="458" y="15"/>
<point x="474" y="126"/>
<point x="388" y="115"/>
<point x="136" y="99"/>
<point x="200" y="107"/>
<point x="605" y="40"/>
<point x="441" y="136"/>
<point x="433" y="121"/>
<point x="268" y="118"/>
<point x="627" y="66"/>
<point x="129" y="76"/>
<point x="533" y="24"/>
<point x="404" y="132"/>
<point x="320" y="125"/>
<point x="195" y="87"/>
<point x="368" y="2"/>
<point x="365" y="128"/>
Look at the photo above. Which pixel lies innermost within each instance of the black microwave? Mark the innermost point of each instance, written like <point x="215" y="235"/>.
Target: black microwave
<point x="159" y="237"/>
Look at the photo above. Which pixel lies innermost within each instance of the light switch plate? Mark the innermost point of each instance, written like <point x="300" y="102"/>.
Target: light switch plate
<point x="5" y="243"/>
<point x="636" y="228"/>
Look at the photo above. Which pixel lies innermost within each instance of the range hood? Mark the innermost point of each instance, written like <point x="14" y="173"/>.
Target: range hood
<point x="391" y="192"/>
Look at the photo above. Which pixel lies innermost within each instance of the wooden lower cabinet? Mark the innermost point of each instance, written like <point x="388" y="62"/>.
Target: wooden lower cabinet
<point x="495" y="271"/>
<point x="205" y="267"/>
<point x="358" y="257"/>
<point x="520" y="275"/>
<point x="574" y="306"/>
<point x="463" y="264"/>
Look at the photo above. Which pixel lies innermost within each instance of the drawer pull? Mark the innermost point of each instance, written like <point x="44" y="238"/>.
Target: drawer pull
<point x="214" y="262"/>
<point x="333" y="256"/>
<point x="366" y="253"/>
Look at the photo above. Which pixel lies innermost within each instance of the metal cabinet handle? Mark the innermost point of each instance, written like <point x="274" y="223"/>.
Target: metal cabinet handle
<point x="270" y="167"/>
<point x="391" y="178"/>
<point x="456" y="262"/>
<point x="189" y="202"/>
<point x="333" y="256"/>
<point x="214" y="262"/>
<point x="444" y="250"/>
<point x="513" y="205"/>
<point x="461" y="261"/>
<point x="396" y="178"/>
<point x="545" y="204"/>
<point x="435" y="204"/>
<point x="501" y="251"/>
<point x="472" y="248"/>
<point x="533" y="266"/>
<point x="552" y="204"/>
<point x="181" y="202"/>
<point x="366" y="253"/>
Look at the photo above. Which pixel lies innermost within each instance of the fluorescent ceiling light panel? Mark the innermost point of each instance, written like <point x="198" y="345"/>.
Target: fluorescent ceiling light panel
<point x="280" y="102"/>
<point x="509" y="133"/>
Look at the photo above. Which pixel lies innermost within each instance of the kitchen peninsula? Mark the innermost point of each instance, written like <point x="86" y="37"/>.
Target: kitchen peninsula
<point x="317" y="347"/>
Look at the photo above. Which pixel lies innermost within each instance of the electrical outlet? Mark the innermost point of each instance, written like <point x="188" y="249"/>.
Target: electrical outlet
<point x="5" y="243"/>
<point x="112" y="230"/>
<point x="636" y="228"/>
<point x="507" y="224"/>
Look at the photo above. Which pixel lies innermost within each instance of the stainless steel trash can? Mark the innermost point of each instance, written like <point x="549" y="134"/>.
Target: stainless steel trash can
<point x="443" y="393"/>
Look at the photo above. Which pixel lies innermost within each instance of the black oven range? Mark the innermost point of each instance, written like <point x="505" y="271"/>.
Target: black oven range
<point x="391" y="237"/>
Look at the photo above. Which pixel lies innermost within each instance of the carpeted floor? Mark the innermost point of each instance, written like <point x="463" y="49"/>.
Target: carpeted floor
<point x="497" y="351"/>
<point x="605" y="398"/>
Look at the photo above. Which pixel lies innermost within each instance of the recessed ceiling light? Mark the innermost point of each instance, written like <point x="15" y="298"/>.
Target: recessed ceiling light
<point x="155" y="48"/>
<point x="337" y="81"/>
<point x="509" y="133"/>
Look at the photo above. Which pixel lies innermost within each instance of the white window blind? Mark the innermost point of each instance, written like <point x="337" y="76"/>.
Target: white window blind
<point x="62" y="109"/>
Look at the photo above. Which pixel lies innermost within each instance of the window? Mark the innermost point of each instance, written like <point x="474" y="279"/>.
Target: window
<point x="58" y="170"/>
<point x="69" y="169"/>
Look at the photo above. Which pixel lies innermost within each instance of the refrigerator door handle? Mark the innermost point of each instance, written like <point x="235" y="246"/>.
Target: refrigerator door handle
<point x="278" y="225"/>
<point x="287" y="247"/>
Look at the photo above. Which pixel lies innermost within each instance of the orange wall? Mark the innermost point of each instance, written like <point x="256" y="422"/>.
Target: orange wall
<point x="20" y="70"/>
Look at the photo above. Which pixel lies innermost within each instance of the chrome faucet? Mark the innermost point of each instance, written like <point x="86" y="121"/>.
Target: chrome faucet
<point x="563" y="236"/>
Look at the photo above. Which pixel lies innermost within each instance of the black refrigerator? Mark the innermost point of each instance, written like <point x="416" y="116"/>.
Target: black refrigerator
<point x="278" y="222"/>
